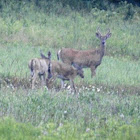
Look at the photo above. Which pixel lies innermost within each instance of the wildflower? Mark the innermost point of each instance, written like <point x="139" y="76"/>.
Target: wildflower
<point x="122" y="116"/>
<point x="88" y="129"/>
<point x="98" y="90"/>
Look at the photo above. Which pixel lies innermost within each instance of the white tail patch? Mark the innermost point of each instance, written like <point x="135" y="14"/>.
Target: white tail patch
<point x="58" y="55"/>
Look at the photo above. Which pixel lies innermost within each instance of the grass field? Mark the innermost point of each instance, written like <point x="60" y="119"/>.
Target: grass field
<point x="108" y="105"/>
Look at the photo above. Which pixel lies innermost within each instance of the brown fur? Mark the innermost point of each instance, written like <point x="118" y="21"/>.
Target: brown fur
<point x="85" y="58"/>
<point x="64" y="72"/>
<point x="38" y="67"/>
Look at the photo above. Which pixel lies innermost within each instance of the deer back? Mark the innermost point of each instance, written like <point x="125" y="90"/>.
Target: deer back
<point x="83" y="58"/>
<point x="60" y="68"/>
<point x="38" y="64"/>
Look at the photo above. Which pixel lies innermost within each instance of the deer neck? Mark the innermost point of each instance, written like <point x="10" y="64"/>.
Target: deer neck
<point x="102" y="51"/>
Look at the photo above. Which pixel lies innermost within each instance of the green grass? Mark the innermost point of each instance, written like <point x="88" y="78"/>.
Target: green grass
<point x="116" y="71"/>
<point x="107" y="106"/>
<point x="112" y="72"/>
<point x="63" y="115"/>
<point x="22" y="39"/>
<point x="40" y="105"/>
<point x="71" y="30"/>
<point x="10" y="129"/>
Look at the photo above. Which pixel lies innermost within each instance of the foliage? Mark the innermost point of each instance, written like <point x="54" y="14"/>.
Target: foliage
<point x="64" y="116"/>
<point x="105" y="107"/>
<point x="12" y="130"/>
<point x="78" y="4"/>
<point x="33" y="29"/>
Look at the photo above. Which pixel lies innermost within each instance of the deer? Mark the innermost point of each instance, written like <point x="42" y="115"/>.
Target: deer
<point x="85" y="58"/>
<point x="39" y="67"/>
<point x="64" y="72"/>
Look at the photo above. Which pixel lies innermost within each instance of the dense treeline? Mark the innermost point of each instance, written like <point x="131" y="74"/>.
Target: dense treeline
<point x="127" y="8"/>
<point x="78" y="4"/>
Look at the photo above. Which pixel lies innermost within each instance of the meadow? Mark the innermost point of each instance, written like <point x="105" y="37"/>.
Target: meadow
<point x="108" y="105"/>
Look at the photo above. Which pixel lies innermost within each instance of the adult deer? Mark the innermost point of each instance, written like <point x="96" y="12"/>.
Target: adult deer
<point x="39" y="67"/>
<point x="85" y="58"/>
<point x="64" y="72"/>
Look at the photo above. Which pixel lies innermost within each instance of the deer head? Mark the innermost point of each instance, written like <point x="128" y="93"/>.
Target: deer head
<point x="80" y="72"/>
<point x="103" y="38"/>
<point x="49" y="55"/>
<point x="44" y="57"/>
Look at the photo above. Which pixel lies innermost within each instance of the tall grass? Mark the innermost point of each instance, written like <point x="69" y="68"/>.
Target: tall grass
<point x="92" y="114"/>
<point x="26" y="29"/>
<point x="30" y="25"/>
<point x="41" y="106"/>
<point x="113" y="71"/>
<point x="104" y="108"/>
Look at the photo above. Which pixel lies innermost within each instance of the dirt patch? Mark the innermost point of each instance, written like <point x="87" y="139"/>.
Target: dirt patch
<point x="16" y="83"/>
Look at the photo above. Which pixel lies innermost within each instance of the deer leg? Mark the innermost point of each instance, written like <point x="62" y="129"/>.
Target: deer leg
<point x="33" y="80"/>
<point x="93" y="73"/>
<point x="49" y="82"/>
<point x="72" y="85"/>
<point x="42" y="78"/>
<point x="62" y="83"/>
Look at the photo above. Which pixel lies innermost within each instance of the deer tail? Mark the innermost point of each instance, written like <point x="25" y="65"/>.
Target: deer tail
<point x="49" y="68"/>
<point x="58" y="55"/>
<point x="31" y="63"/>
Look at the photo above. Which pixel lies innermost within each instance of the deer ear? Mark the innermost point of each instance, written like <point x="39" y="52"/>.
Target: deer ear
<point x="49" y="55"/>
<point x="43" y="56"/>
<point x="108" y="35"/>
<point x="98" y="34"/>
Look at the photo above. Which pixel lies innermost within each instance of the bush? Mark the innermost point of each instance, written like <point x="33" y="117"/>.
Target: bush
<point x="112" y="129"/>
<point x="12" y="130"/>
